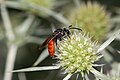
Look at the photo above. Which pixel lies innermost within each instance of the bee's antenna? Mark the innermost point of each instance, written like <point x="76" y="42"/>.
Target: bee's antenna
<point x="75" y="28"/>
<point x="70" y="26"/>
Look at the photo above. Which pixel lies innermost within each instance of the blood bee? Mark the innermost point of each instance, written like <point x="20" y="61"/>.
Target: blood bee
<point x="58" y="34"/>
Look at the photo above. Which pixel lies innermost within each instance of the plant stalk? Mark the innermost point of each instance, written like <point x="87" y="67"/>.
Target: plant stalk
<point x="12" y="51"/>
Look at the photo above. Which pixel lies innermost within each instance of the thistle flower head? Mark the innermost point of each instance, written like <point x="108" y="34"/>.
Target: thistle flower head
<point x="42" y="3"/>
<point x="91" y="17"/>
<point x="77" y="53"/>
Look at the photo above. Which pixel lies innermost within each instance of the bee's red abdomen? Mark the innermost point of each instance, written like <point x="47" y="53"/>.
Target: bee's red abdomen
<point x="51" y="48"/>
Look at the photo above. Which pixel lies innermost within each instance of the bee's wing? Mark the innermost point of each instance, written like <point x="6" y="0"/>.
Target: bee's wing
<point x="46" y="42"/>
<point x="51" y="37"/>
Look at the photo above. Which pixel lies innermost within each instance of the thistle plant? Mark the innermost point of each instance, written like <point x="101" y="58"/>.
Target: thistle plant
<point x="77" y="54"/>
<point x="92" y="18"/>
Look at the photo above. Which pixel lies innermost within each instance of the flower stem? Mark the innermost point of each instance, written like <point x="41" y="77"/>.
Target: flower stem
<point x="7" y="23"/>
<point x="67" y="77"/>
<point x="10" y="62"/>
<point x="18" y="5"/>
<point x="12" y="48"/>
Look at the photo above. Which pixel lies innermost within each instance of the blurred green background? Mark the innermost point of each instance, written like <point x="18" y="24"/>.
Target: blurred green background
<point x="32" y="21"/>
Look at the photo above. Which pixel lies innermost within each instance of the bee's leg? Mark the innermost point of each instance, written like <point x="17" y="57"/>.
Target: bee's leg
<point x="56" y="42"/>
<point x="68" y="33"/>
<point x="68" y="36"/>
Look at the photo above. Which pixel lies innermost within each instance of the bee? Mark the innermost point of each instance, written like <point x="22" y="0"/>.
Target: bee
<point x="58" y="34"/>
